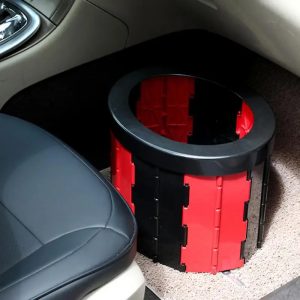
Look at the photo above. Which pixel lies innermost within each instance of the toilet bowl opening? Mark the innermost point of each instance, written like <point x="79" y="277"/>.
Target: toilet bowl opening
<point x="191" y="110"/>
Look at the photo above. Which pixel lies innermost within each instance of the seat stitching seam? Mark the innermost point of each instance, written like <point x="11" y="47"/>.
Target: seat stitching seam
<point x="118" y="232"/>
<point x="71" y="232"/>
<point x="73" y="252"/>
<point x="26" y="227"/>
<point x="73" y="279"/>
<point x="62" y="258"/>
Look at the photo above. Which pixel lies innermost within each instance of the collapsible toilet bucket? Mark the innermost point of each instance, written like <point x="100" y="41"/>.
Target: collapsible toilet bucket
<point x="184" y="151"/>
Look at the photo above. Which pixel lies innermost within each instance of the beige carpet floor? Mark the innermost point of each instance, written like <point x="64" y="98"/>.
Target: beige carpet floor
<point x="279" y="259"/>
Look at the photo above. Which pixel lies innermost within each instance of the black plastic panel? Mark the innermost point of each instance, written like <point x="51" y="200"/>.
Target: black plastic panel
<point x="214" y="114"/>
<point x="158" y="197"/>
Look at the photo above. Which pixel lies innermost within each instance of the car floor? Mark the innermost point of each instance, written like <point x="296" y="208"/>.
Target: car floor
<point x="278" y="261"/>
<point x="66" y="106"/>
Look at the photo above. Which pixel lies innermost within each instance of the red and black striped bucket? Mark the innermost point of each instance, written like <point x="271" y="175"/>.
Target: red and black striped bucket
<point x="183" y="154"/>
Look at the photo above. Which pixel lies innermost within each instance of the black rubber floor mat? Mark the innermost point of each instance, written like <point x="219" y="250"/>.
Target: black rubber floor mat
<point x="290" y="291"/>
<point x="149" y="295"/>
<point x="73" y="104"/>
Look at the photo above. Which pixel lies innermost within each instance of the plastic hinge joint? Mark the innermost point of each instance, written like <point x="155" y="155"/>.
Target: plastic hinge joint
<point x="186" y="198"/>
<point x="184" y="235"/>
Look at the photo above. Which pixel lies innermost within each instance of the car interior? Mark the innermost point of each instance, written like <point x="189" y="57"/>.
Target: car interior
<point x="66" y="231"/>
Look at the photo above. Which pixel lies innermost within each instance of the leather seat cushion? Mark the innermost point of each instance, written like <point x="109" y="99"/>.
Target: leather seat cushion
<point x="64" y="230"/>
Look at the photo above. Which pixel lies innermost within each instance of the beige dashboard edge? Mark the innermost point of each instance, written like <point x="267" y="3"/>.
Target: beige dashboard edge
<point x="86" y="33"/>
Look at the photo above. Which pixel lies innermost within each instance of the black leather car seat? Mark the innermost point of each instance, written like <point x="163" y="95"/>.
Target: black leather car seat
<point x="64" y="231"/>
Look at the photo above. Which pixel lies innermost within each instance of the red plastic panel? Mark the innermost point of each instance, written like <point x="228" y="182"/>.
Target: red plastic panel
<point x="233" y="228"/>
<point x="122" y="171"/>
<point x="245" y="121"/>
<point x="164" y="106"/>
<point x="215" y="222"/>
<point x="199" y="218"/>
